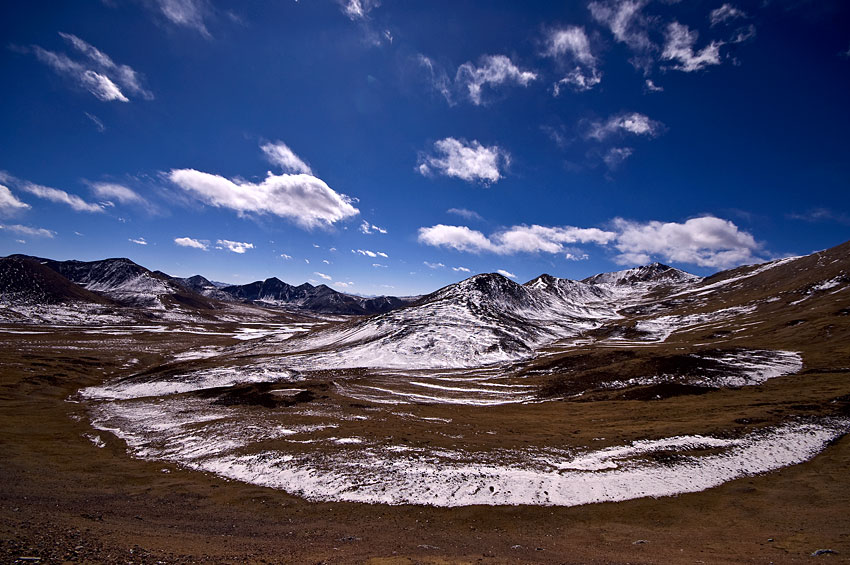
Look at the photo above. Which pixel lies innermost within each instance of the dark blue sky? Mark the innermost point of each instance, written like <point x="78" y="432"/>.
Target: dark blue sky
<point x="246" y="140"/>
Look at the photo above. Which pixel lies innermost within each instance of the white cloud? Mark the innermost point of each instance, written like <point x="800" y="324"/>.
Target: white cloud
<point x="616" y="155"/>
<point x="124" y="75"/>
<point x="285" y="256"/>
<point x="464" y="213"/>
<point x="652" y="87"/>
<point x="679" y="46"/>
<point x="461" y="270"/>
<point x="470" y="79"/>
<point x="96" y="121"/>
<point x="280" y="154"/>
<point x="323" y="275"/>
<point x="576" y="256"/>
<point x="571" y="45"/>
<point x="706" y="241"/>
<point x="517" y="239"/>
<point x="186" y="13"/>
<point x="98" y="73"/>
<point x="369" y="253"/>
<point x="378" y="265"/>
<point x="9" y="203"/>
<point x="139" y="241"/>
<point x="303" y="199"/>
<point x="627" y="24"/>
<point x="469" y="161"/>
<point x="358" y="9"/>
<point x="26" y="230"/>
<point x="433" y="265"/>
<point x="580" y="80"/>
<point x="326" y="262"/>
<point x="234" y="246"/>
<point x="342" y="284"/>
<point x="368" y="228"/>
<point x="633" y="122"/>
<point x="493" y="70"/>
<point x="60" y="196"/>
<point x="189" y="242"/>
<point x="725" y="13"/>
<point x="505" y="273"/>
<point x="118" y="192"/>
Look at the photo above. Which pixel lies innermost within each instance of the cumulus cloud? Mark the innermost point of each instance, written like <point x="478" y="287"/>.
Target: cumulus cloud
<point x="679" y="48"/>
<point x="517" y="239"/>
<point x="469" y="161"/>
<point x="369" y="253"/>
<point x="304" y="199"/>
<point x="26" y="230"/>
<point x="97" y="72"/>
<point x="278" y="153"/>
<point x="631" y="122"/>
<point x="705" y="241"/>
<point x="190" y="242"/>
<point x="505" y="273"/>
<point x="369" y="229"/>
<point x="471" y="79"/>
<point x="234" y="246"/>
<point x="9" y="203"/>
<point x="139" y="241"/>
<point x="571" y="46"/>
<point x="725" y="13"/>
<point x="323" y="275"/>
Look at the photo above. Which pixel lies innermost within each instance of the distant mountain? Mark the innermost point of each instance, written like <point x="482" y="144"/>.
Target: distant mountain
<point x="25" y="280"/>
<point x="274" y="292"/>
<point x="653" y="273"/>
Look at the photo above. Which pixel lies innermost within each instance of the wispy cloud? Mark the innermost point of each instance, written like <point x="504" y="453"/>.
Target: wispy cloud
<point x="278" y="153"/>
<point x="324" y="276"/>
<point x="679" y="47"/>
<point x="186" y="13"/>
<point x="26" y="230"/>
<point x="725" y="13"/>
<point x="628" y="25"/>
<point x="96" y="121"/>
<point x="505" y="273"/>
<point x="819" y="215"/>
<point x="305" y="200"/>
<point x="358" y="9"/>
<point x="472" y="79"/>
<point x="467" y="160"/>
<point x="461" y="270"/>
<point x="570" y="47"/>
<point x="464" y="213"/>
<point x="285" y="256"/>
<point x="629" y="122"/>
<point x="234" y="246"/>
<point x="194" y="243"/>
<point x="96" y="72"/>
<point x="9" y="203"/>
<point x="615" y="156"/>
<point x="114" y="191"/>
<point x="369" y="228"/>
<point x="433" y="265"/>
<point x="139" y="241"/>
<point x="48" y="193"/>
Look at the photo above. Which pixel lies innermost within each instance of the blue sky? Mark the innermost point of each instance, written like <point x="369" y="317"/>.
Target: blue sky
<point x="394" y="147"/>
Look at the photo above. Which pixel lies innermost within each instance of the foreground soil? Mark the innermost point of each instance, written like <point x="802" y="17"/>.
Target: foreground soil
<point x="64" y="499"/>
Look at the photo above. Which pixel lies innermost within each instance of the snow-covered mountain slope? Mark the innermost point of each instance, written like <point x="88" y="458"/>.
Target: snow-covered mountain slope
<point x="27" y="281"/>
<point x="482" y="320"/>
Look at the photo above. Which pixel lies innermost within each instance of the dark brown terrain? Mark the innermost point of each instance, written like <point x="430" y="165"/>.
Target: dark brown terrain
<point x="64" y="499"/>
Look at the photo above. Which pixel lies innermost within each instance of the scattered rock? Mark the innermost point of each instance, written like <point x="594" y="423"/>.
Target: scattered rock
<point x="824" y="552"/>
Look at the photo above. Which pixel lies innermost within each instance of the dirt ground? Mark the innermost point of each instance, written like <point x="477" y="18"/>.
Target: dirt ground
<point x="62" y="499"/>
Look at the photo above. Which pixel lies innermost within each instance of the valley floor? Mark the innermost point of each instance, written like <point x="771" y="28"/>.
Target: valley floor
<point x="72" y="494"/>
